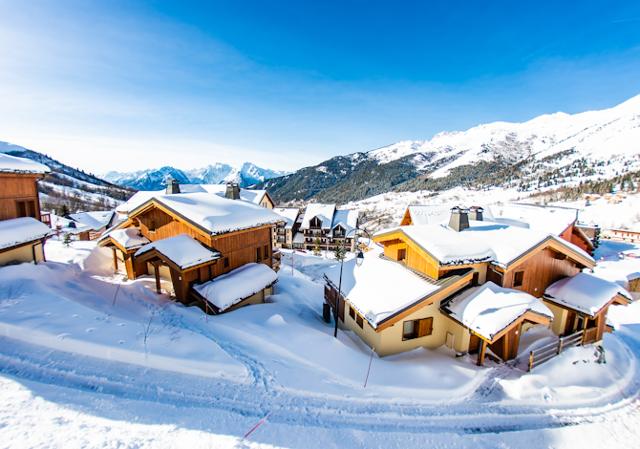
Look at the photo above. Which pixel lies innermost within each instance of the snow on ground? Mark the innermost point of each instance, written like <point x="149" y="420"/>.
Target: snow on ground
<point x="69" y="369"/>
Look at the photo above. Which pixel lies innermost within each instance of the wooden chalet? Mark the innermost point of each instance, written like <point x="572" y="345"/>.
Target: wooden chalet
<point x="22" y="234"/>
<point x="189" y="239"/>
<point x="434" y="282"/>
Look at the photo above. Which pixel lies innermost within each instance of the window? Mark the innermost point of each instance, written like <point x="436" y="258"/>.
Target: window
<point x="518" y="278"/>
<point x="352" y="313"/>
<point x="226" y="262"/>
<point x="417" y="328"/>
<point x="258" y="254"/>
<point x="359" y="321"/>
<point x="402" y="254"/>
<point x="266" y="251"/>
<point x="26" y="208"/>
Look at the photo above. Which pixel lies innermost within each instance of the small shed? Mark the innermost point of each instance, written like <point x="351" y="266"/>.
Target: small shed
<point x="581" y="303"/>
<point x="495" y="317"/>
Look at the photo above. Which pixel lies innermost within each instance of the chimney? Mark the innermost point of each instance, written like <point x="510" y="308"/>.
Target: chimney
<point x="233" y="191"/>
<point x="172" y="186"/>
<point x="475" y="213"/>
<point x="459" y="218"/>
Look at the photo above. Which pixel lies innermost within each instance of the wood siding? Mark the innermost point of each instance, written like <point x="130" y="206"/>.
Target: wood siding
<point x="540" y="271"/>
<point x="15" y="188"/>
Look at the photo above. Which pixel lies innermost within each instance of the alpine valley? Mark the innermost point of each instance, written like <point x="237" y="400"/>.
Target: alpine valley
<point x="591" y="151"/>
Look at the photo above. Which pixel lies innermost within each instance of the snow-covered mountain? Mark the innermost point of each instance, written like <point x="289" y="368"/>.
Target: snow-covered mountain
<point x="548" y="151"/>
<point x="154" y="179"/>
<point x="68" y="186"/>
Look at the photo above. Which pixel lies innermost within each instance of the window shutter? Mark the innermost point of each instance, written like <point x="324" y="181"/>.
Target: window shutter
<point x="425" y="327"/>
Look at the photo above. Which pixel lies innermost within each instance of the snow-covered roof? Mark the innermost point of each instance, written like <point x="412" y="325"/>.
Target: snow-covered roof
<point x="217" y="214"/>
<point x="483" y="241"/>
<point x="553" y="220"/>
<point x="128" y="238"/>
<point x="13" y="164"/>
<point x="231" y="288"/>
<point x="348" y="219"/>
<point x="17" y="231"/>
<point x="488" y="309"/>
<point x="379" y="288"/>
<point x="183" y="250"/>
<point x="324" y="212"/>
<point x="94" y="220"/>
<point x="429" y="214"/>
<point x="142" y="196"/>
<point x="290" y="214"/>
<point x="584" y="293"/>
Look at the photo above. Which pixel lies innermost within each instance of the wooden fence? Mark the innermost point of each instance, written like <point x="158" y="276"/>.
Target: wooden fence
<point x="549" y="351"/>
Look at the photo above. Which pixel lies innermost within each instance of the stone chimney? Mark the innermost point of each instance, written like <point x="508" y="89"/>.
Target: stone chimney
<point x="459" y="218"/>
<point x="475" y="213"/>
<point x="172" y="186"/>
<point x="233" y="191"/>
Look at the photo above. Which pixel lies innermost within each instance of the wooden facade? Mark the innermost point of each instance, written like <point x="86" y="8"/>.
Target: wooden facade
<point x="19" y="195"/>
<point x="157" y="222"/>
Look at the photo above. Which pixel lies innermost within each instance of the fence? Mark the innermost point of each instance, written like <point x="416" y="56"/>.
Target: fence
<point x="549" y="351"/>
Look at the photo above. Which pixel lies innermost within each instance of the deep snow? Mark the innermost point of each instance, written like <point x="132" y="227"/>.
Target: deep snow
<point x="192" y="380"/>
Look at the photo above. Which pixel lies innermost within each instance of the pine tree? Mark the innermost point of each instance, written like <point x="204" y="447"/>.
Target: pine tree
<point x="66" y="240"/>
<point x="316" y="246"/>
<point x="340" y="253"/>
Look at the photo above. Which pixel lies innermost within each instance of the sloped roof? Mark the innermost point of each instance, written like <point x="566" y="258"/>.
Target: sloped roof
<point x="324" y="212"/>
<point x="142" y="196"/>
<point x="488" y="309"/>
<point x="290" y="214"/>
<point x="128" y="238"/>
<point x="231" y="288"/>
<point x="428" y="214"/>
<point x="94" y="220"/>
<point x="183" y="250"/>
<point x="348" y="219"/>
<point x="379" y="288"/>
<point x="213" y="213"/>
<point x="483" y="241"/>
<point x="16" y="231"/>
<point x="13" y="164"/>
<point x="584" y="293"/>
<point x="553" y="220"/>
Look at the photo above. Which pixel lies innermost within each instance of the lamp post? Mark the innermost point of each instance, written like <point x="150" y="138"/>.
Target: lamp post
<point x="359" y="260"/>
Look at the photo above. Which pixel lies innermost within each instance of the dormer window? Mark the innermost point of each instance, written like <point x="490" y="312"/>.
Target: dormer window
<point x="315" y="223"/>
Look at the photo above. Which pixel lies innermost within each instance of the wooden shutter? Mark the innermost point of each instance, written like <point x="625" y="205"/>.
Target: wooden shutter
<point x="425" y="327"/>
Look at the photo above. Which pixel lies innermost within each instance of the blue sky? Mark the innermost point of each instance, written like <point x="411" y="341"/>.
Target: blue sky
<point x="130" y="85"/>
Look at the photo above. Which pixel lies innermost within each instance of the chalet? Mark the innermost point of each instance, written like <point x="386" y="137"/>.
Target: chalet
<point x="560" y="221"/>
<point x="22" y="234"/>
<point x="471" y="284"/>
<point x="229" y="190"/>
<point x="90" y="225"/>
<point x="286" y="229"/>
<point x="622" y="235"/>
<point x="324" y="226"/>
<point x="198" y="242"/>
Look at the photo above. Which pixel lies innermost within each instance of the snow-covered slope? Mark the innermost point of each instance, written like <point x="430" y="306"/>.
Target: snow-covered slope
<point x="155" y="179"/>
<point x="596" y="135"/>
<point x="68" y="186"/>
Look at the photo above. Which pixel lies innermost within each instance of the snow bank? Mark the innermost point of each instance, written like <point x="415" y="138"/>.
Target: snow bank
<point x="231" y="288"/>
<point x="184" y="251"/>
<point x="59" y="307"/>
<point x="16" y="231"/>
<point x="13" y="164"/>
<point x="584" y="292"/>
<point x="488" y="309"/>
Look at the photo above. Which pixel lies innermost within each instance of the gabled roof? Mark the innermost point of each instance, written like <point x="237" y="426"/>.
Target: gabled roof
<point x="428" y="214"/>
<point x="348" y="219"/>
<point x="241" y="283"/>
<point x="13" y="164"/>
<point x="17" y="231"/>
<point x="128" y="239"/>
<point x="211" y="213"/>
<point x="93" y="220"/>
<point x="584" y="293"/>
<point x="379" y="287"/>
<point x="488" y="309"/>
<point x="550" y="219"/>
<point x="184" y="251"/>
<point x="141" y="197"/>
<point x="483" y="241"/>
<point x="324" y="212"/>
<point x="289" y="214"/>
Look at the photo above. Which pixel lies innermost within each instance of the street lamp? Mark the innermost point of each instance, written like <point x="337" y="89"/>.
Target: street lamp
<point x="359" y="260"/>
